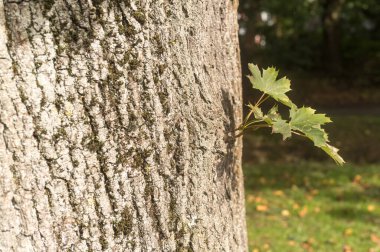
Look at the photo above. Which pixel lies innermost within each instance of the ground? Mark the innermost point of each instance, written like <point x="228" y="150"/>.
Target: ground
<point x="313" y="207"/>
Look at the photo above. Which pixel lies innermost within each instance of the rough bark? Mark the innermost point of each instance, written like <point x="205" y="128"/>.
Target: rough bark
<point x="116" y="122"/>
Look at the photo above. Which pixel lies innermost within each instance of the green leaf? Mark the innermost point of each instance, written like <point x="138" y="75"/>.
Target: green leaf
<point x="279" y="125"/>
<point x="268" y="84"/>
<point x="333" y="153"/>
<point x="257" y="112"/>
<point x="273" y="114"/>
<point x="317" y="135"/>
<point x="305" y="118"/>
<point x="283" y="127"/>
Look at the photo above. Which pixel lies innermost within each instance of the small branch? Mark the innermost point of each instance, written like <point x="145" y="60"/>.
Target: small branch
<point x="253" y="127"/>
<point x="258" y="126"/>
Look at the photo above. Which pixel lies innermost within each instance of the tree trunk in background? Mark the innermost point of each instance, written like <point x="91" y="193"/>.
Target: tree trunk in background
<point x="115" y="126"/>
<point x="332" y="58"/>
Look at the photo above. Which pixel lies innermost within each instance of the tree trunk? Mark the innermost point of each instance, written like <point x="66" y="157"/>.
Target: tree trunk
<point x="116" y="126"/>
<point x="332" y="58"/>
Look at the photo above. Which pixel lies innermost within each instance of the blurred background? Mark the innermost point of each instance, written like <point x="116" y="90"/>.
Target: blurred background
<point x="298" y="199"/>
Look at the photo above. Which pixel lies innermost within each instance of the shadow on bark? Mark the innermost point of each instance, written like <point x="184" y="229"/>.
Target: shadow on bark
<point x="226" y="167"/>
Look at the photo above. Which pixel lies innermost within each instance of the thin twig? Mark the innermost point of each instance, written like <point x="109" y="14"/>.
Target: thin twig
<point x="258" y="126"/>
<point x="253" y="127"/>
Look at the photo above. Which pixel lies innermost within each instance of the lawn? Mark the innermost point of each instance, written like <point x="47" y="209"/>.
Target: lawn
<point x="309" y="206"/>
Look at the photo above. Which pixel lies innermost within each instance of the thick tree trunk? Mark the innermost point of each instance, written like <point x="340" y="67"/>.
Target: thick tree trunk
<point x="116" y="122"/>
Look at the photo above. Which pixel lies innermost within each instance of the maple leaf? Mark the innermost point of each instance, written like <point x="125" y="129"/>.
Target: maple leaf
<point x="333" y="153"/>
<point x="273" y="113"/>
<point x="267" y="83"/>
<point x="282" y="126"/>
<point x="279" y="125"/>
<point x="306" y="121"/>
<point x="305" y="118"/>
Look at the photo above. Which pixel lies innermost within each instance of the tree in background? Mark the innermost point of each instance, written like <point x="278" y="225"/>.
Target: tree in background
<point x="313" y="35"/>
<point x="331" y="18"/>
<point x="115" y="126"/>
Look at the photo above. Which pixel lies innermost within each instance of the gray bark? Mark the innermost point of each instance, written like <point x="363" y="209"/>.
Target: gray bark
<point x="116" y="122"/>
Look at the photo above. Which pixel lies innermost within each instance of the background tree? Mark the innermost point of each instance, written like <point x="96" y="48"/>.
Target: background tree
<point x="115" y="126"/>
<point x="313" y="36"/>
<point x="331" y="15"/>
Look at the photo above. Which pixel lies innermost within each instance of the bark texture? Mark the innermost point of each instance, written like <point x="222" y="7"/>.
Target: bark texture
<point x="115" y="126"/>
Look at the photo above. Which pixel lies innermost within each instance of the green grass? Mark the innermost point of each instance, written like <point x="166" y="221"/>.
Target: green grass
<point x="313" y="207"/>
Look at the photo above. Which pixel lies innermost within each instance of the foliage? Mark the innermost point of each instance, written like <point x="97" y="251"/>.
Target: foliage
<point x="302" y="121"/>
<point x="293" y="33"/>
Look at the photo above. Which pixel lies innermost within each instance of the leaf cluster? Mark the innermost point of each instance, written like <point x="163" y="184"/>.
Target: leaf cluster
<point x="302" y="121"/>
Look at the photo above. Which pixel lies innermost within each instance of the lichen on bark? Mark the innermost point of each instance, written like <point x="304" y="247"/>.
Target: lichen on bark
<point x="116" y="122"/>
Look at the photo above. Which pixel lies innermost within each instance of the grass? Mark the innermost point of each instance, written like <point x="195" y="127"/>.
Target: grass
<point x="313" y="207"/>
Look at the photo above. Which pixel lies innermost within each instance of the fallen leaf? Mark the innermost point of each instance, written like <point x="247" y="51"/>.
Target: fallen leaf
<point x="347" y="248"/>
<point x="292" y="243"/>
<point x="260" y="200"/>
<point x="311" y="240"/>
<point x="303" y="212"/>
<point x="314" y="192"/>
<point x="278" y="193"/>
<point x="348" y="232"/>
<point x="357" y="179"/>
<point x="307" y="245"/>
<point x="296" y="206"/>
<point x="262" y="208"/>
<point x="375" y="239"/>
<point x="371" y="208"/>
<point x="309" y="197"/>
<point x="266" y="246"/>
<point x="285" y="213"/>
<point x="317" y="209"/>
<point x="255" y="250"/>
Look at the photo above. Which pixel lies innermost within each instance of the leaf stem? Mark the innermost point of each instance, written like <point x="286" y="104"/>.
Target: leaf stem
<point x="262" y="101"/>
<point x="258" y="102"/>
<point x="248" y="116"/>
<point x="299" y="134"/>
<point x="251" y="123"/>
